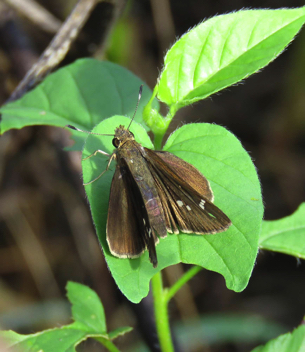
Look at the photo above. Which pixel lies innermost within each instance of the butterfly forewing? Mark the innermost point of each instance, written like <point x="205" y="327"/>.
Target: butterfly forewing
<point x="187" y="203"/>
<point x="187" y="172"/>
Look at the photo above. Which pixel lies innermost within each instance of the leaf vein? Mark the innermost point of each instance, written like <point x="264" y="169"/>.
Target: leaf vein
<point x="223" y="51"/>
<point x="199" y="56"/>
<point x="279" y="233"/>
<point x="46" y="96"/>
<point x="82" y="97"/>
<point x="222" y="259"/>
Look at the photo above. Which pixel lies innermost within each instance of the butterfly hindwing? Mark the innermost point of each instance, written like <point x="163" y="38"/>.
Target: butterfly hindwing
<point x="129" y="231"/>
<point x="123" y="235"/>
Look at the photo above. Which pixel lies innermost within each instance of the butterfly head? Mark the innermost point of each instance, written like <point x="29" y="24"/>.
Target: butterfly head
<point x="121" y="136"/>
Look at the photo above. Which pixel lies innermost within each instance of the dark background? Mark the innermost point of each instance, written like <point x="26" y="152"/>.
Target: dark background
<point x="46" y="232"/>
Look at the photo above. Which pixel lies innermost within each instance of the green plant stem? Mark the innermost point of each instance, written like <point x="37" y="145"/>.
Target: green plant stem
<point x="158" y="141"/>
<point x="162" y="321"/>
<point x="161" y="298"/>
<point x="108" y="344"/>
<point x="159" y="131"/>
<point x="179" y="283"/>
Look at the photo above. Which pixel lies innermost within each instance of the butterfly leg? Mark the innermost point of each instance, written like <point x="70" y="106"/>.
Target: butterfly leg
<point x="94" y="154"/>
<point x="113" y="156"/>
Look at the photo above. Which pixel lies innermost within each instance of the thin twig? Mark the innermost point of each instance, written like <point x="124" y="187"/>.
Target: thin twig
<point x="36" y="14"/>
<point x="57" y="49"/>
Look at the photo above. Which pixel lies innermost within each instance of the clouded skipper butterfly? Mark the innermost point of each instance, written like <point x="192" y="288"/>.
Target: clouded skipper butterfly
<point x="153" y="193"/>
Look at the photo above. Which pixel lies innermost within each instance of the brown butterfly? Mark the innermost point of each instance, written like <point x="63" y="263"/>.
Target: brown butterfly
<point x="153" y="193"/>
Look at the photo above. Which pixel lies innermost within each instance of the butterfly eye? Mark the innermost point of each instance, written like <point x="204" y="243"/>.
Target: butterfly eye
<point x="116" y="142"/>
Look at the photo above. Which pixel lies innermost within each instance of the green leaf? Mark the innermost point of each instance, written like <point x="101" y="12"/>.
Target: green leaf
<point x="224" y="50"/>
<point x="81" y="94"/>
<point x="11" y="337"/>
<point x="59" y="340"/>
<point x="228" y="167"/>
<point x="88" y="313"/>
<point x="290" y="342"/>
<point x="87" y="310"/>
<point x="119" y="332"/>
<point x="286" y="235"/>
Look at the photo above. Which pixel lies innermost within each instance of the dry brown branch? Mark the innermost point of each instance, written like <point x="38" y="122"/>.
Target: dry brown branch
<point x="36" y="13"/>
<point x="57" y="49"/>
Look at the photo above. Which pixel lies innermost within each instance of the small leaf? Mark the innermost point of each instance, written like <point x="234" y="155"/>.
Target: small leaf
<point x="89" y="317"/>
<point x="11" y="337"/>
<point x="286" y="235"/>
<point x="119" y="332"/>
<point x="290" y="342"/>
<point x="81" y="94"/>
<point x="87" y="308"/>
<point x="59" y="340"/>
<point x="228" y="167"/>
<point x="224" y="50"/>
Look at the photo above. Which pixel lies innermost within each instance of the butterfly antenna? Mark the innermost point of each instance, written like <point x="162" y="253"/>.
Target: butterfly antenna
<point x="139" y="98"/>
<point x="78" y="129"/>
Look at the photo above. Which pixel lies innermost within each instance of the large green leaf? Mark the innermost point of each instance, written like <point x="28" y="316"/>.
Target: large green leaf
<point x="81" y="94"/>
<point x="286" y="235"/>
<point x="228" y="167"/>
<point x="224" y="50"/>
<point x="89" y="321"/>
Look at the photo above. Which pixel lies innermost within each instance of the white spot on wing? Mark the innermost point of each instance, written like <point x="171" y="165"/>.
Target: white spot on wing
<point x="180" y="203"/>
<point x="188" y="208"/>
<point x="201" y="204"/>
